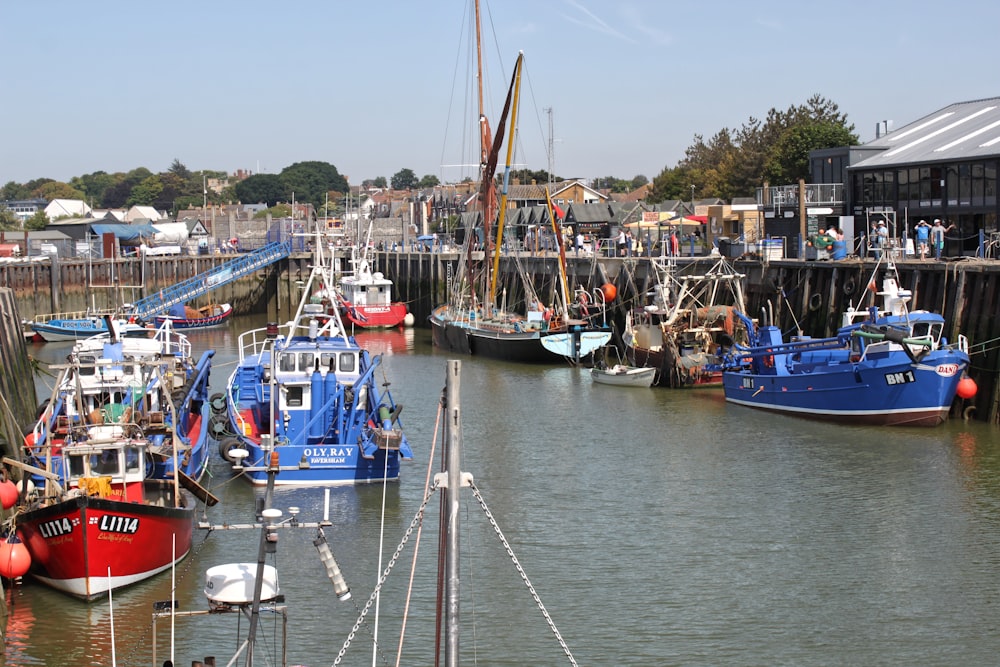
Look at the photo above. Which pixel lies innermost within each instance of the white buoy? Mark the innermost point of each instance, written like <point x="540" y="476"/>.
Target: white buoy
<point x="408" y="320"/>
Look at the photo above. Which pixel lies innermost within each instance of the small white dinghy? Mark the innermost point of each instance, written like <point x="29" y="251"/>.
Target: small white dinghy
<point x="624" y="376"/>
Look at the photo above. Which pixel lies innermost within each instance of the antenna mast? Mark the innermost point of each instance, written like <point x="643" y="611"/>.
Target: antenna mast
<point x="552" y="147"/>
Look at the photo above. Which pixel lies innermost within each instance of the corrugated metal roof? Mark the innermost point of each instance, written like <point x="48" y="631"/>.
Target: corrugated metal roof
<point x="962" y="131"/>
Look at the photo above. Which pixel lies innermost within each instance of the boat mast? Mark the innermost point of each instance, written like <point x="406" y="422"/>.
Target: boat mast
<point x="487" y="192"/>
<point x="557" y="231"/>
<point x="506" y="181"/>
<point x="453" y="431"/>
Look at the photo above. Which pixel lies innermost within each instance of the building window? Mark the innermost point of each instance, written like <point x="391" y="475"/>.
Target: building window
<point x="990" y="183"/>
<point x="964" y="185"/>
<point x="952" y="184"/>
<point x="978" y="184"/>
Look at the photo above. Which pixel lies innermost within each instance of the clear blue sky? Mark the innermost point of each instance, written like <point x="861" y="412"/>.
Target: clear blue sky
<point x="373" y="87"/>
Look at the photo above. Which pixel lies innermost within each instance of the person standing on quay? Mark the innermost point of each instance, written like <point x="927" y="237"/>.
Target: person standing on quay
<point x="923" y="235"/>
<point x="881" y="234"/>
<point x="937" y="236"/>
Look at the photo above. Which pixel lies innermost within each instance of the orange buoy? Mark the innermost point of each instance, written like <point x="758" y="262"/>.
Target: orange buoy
<point x="15" y="561"/>
<point x="609" y="291"/>
<point x="8" y="494"/>
<point x="966" y="387"/>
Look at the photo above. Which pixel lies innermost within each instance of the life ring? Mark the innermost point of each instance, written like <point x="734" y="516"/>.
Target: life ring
<point x="815" y="301"/>
<point x="849" y="287"/>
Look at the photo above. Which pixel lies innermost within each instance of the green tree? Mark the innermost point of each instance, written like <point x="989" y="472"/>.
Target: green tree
<point x="788" y="159"/>
<point x="380" y="182"/>
<point x="404" y="179"/>
<point x="262" y="189"/>
<point x="178" y="169"/>
<point x="312" y="182"/>
<point x="278" y="211"/>
<point x="528" y="176"/>
<point x="33" y="185"/>
<point x="117" y="195"/>
<point x="428" y="181"/>
<point x="93" y="186"/>
<point x="735" y="163"/>
<point x="56" y="190"/>
<point x="12" y="190"/>
<point x="8" y="220"/>
<point x="147" y="192"/>
<point x="38" y="221"/>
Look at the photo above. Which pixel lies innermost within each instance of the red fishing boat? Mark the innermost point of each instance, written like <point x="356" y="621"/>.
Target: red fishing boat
<point x="113" y="526"/>
<point x="125" y="429"/>
<point x="365" y="297"/>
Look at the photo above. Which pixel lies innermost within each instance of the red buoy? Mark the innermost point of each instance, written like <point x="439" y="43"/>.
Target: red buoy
<point x="14" y="558"/>
<point x="609" y="291"/>
<point x="8" y="494"/>
<point x="966" y="387"/>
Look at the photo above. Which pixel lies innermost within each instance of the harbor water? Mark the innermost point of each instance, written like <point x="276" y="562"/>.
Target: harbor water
<point x="657" y="527"/>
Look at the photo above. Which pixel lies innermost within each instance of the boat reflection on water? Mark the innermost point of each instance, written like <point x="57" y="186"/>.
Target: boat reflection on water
<point x="385" y="341"/>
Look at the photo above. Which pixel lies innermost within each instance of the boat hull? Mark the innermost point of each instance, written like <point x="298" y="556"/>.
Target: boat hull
<point x="199" y="322"/>
<point x="511" y="345"/>
<point x="624" y="377"/>
<point x="879" y="392"/>
<point x="376" y="317"/>
<point x="55" y="331"/>
<point x="75" y="543"/>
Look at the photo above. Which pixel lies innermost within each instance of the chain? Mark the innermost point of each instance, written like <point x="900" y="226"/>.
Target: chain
<point x="520" y="570"/>
<point x="385" y="574"/>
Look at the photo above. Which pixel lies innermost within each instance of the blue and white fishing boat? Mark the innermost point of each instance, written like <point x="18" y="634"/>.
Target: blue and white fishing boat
<point x="309" y="392"/>
<point x="884" y="367"/>
<point x="77" y="326"/>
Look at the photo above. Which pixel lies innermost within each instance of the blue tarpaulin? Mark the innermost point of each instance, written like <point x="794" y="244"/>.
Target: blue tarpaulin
<point x="125" y="232"/>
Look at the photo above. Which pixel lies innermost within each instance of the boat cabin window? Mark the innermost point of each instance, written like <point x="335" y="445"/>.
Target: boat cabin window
<point x="293" y="397"/>
<point x="286" y="362"/>
<point x="87" y="366"/>
<point x="77" y="466"/>
<point x="102" y="464"/>
<point x="133" y="459"/>
<point x="325" y="360"/>
<point x="348" y="362"/>
<point x="927" y="329"/>
<point x="306" y="361"/>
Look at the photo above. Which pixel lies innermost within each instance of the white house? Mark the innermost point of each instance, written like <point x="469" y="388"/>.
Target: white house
<point x="61" y="208"/>
<point x="140" y="213"/>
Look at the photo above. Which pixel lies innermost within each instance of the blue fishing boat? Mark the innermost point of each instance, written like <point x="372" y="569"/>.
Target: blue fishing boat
<point x="77" y="326"/>
<point x="307" y="391"/>
<point x="889" y="366"/>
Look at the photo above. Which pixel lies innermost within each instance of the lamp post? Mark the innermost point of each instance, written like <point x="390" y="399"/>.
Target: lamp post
<point x="692" y="200"/>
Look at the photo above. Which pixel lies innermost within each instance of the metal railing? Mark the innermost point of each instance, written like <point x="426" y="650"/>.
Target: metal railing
<point x="817" y="194"/>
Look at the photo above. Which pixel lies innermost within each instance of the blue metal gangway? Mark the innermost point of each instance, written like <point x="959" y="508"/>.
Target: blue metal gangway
<point x="207" y="281"/>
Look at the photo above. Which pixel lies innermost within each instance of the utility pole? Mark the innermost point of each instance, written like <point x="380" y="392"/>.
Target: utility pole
<point x="552" y="146"/>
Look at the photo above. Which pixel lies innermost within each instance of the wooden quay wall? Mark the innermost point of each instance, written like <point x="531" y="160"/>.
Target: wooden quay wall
<point x="803" y="295"/>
